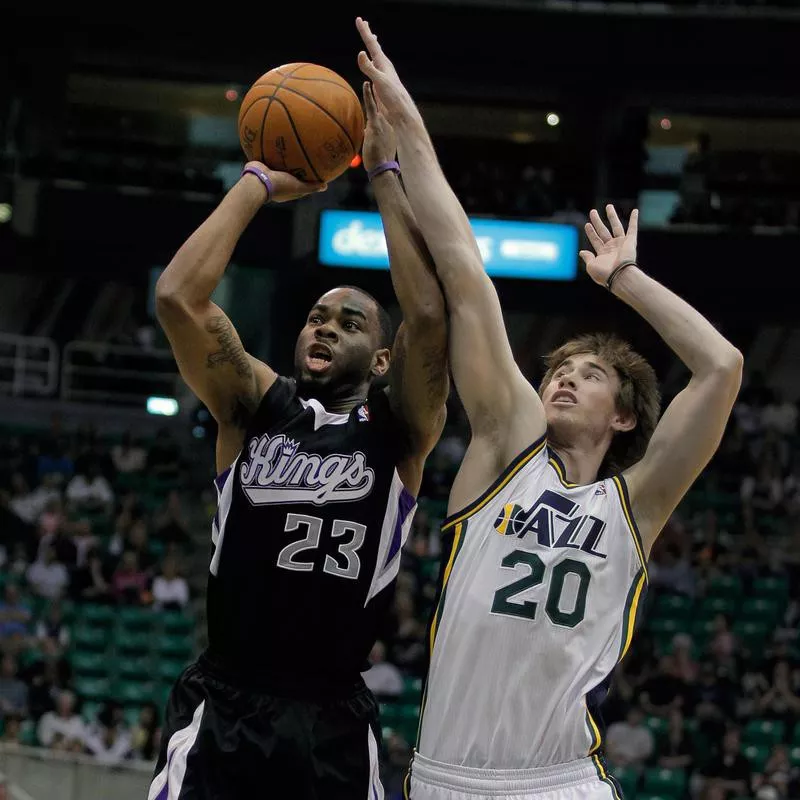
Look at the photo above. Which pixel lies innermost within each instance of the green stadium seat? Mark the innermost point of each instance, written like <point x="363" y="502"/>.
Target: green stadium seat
<point x="672" y="606"/>
<point x="717" y="604"/>
<point x="725" y="586"/>
<point x="90" y="709"/>
<point x="177" y="647"/>
<point x="628" y="779"/>
<point x="761" y="609"/>
<point x="753" y="634"/>
<point x="86" y="637"/>
<point x="766" y="732"/>
<point x="670" y="783"/>
<point x="132" y="618"/>
<point x="794" y="756"/>
<point x="96" y="615"/>
<point x="176" y="622"/>
<point x="131" y="715"/>
<point x="92" y="688"/>
<point x="134" y="668"/>
<point x="757" y="755"/>
<point x="658" y="727"/>
<point x="27" y="733"/>
<point x="132" y="692"/>
<point x="133" y="642"/>
<point x="129" y="481"/>
<point x="89" y="664"/>
<point x="169" y="670"/>
<point x="774" y="588"/>
<point x="412" y="691"/>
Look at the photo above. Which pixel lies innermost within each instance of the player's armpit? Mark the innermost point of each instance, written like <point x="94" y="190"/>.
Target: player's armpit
<point x="212" y="359"/>
<point x="418" y="390"/>
<point x="682" y="445"/>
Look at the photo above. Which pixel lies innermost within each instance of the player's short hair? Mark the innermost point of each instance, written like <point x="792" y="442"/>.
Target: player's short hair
<point x="386" y="331"/>
<point x="638" y="393"/>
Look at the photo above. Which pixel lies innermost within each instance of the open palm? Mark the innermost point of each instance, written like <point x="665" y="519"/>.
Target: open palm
<point x="612" y="247"/>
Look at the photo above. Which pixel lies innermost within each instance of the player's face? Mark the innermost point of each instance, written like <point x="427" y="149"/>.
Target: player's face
<point x="338" y="343"/>
<point x="581" y="398"/>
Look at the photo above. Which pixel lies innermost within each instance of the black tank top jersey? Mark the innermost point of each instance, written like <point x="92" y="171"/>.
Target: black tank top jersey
<point x="310" y="521"/>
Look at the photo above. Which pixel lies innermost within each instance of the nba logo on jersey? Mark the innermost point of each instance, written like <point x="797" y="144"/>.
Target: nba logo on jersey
<point x="363" y="414"/>
<point x="600" y="490"/>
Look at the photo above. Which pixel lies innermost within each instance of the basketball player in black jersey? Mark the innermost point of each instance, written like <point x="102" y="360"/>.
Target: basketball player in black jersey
<point x="317" y="478"/>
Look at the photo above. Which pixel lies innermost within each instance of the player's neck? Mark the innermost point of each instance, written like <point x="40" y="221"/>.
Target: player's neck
<point x="335" y="400"/>
<point x="581" y="463"/>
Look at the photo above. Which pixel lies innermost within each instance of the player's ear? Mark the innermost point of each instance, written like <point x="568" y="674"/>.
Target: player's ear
<point x="380" y="362"/>
<point x="623" y="421"/>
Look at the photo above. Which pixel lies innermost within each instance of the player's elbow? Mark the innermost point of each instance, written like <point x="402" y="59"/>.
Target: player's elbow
<point x="729" y="366"/>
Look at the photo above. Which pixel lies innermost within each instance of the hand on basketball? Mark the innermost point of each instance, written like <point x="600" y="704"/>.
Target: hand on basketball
<point x="380" y="144"/>
<point x="610" y="247"/>
<point x="393" y="97"/>
<point x="286" y="187"/>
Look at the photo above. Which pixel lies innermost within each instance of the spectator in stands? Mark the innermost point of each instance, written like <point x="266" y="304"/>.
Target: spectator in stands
<point x="62" y="729"/>
<point x="780" y="416"/>
<point x="671" y="571"/>
<point x="55" y="460"/>
<point x="170" y="590"/>
<point x="128" y="456"/>
<point x="714" y="699"/>
<point x="163" y="460"/>
<point x="729" y="770"/>
<point x="630" y="743"/>
<point x="407" y="647"/>
<point x="108" y="742"/>
<point x="170" y="523"/>
<point x="12" y="737"/>
<point x="395" y="766"/>
<point x="664" y="691"/>
<point x="13" y="692"/>
<point x="52" y="518"/>
<point x="28" y="505"/>
<point x="780" y="702"/>
<point x="145" y="736"/>
<point x="18" y="563"/>
<point x="90" y="491"/>
<point x="52" y="633"/>
<point x="723" y="642"/>
<point x="776" y="773"/>
<point x="48" y="577"/>
<point x="676" y="750"/>
<point x="15" y="617"/>
<point x="45" y="678"/>
<point x="129" y="582"/>
<point x="138" y="540"/>
<point x="90" y="583"/>
<point x="686" y="667"/>
<point x="383" y="678"/>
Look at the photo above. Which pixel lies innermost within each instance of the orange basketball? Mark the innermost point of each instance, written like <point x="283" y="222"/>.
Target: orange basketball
<point x="304" y="119"/>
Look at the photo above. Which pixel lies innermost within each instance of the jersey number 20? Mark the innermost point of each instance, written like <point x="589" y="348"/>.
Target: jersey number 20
<point x="504" y="604"/>
<point x="346" y="563"/>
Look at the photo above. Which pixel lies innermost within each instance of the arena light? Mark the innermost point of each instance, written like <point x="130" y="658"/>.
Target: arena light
<point x="552" y="119"/>
<point x="5" y="212"/>
<point x="162" y="406"/>
<point x="231" y="95"/>
<point x="356" y="162"/>
<point x="666" y="124"/>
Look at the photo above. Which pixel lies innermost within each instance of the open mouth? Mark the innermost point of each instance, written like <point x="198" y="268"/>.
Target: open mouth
<point x="319" y="358"/>
<point x="564" y="398"/>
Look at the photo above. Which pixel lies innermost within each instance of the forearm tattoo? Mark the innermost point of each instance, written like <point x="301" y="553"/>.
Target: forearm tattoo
<point x="231" y="350"/>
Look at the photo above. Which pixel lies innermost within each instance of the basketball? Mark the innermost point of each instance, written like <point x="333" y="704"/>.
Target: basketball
<point x="303" y="119"/>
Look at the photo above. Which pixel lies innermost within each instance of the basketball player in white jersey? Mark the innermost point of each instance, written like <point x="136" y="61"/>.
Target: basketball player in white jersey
<point x="555" y="508"/>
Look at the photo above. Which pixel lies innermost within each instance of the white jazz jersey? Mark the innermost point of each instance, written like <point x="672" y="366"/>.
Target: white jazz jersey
<point x="537" y="604"/>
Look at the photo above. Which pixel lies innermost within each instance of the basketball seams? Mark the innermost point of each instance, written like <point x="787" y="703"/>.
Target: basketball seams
<point x="323" y="109"/>
<point x="297" y="136"/>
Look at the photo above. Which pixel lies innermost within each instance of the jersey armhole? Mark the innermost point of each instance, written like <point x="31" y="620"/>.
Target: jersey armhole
<point x="625" y="502"/>
<point x="525" y="457"/>
<point x="275" y="405"/>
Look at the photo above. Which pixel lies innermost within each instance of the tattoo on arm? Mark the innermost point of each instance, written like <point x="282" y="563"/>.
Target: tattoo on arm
<point x="231" y="350"/>
<point x="432" y="360"/>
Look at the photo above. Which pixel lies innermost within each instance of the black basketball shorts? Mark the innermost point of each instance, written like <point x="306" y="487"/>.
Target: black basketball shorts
<point x="223" y="743"/>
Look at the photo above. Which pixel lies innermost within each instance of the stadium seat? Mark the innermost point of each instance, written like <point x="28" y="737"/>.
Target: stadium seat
<point x="774" y="588"/>
<point x="96" y="615"/>
<point x="672" y="606"/>
<point x="90" y="709"/>
<point x="752" y="634"/>
<point x="132" y="692"/>
<point x="139" y="668"/>
<point x="92" y="688"/>
<point x="176" y="622"/>
<point x="132" y="618"/>
<point x="133" y="642"/>
<point x="761" y="609"/>
<point x="131" y="715"/>
<point x="86" y="637"/>
<point x="658" y="727"/>
<point x="794" y="756"/>
<point x="725" y="586"/>
<point x="766" y="732"/>
<point x="89" y="664"/>
<point x="177" y="647"/>
<point x="412" y="691"/>
<point x="169" y="670"/>
<point x="717" y="604"/>
<point x="665" y="782"/>
<point x="628" y="779"/>
<point x="757" y="755"/>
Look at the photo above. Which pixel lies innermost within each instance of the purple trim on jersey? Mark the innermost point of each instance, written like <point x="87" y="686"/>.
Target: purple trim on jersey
<point x="163" y="794"/>
<point x="405" y="505"/>
<point x="219" y="481"/>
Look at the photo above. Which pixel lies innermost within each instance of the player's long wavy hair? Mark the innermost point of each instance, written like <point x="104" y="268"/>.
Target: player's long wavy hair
<point x="638" y="393"/>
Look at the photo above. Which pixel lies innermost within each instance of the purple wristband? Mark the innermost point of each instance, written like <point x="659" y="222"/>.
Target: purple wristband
<point x="263" y="177"/>
<point x="384" y="167"/>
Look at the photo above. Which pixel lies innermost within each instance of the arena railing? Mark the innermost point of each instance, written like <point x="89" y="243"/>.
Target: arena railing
<point x="28" y="366"/>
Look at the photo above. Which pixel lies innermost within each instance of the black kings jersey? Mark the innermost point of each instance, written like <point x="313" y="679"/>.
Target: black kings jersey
<point x="310" y="522"/>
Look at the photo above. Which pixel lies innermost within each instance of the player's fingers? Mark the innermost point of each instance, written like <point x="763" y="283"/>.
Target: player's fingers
<point x="369" y="101"/>
<point x="616" y="225"/>
<point x="586" y="256"/>
<point x="599" y="225"/>
<point x="633" y="224"/>
<point x="594" y="240"/>
<point x="368" y="37"/>
<point x="366" y="65"/>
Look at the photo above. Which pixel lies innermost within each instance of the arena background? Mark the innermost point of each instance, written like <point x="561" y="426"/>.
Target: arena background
<point x="118" y="137"/>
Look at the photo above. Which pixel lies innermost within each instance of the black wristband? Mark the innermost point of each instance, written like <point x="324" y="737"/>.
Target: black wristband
<point x="616" y="271"/>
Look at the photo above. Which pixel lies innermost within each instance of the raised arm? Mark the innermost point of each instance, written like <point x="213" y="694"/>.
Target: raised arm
<point x="206" y="346"/>
<point x="691" y="428"/>
<point x="504" y="411"/>
<point x="418" y="377"/>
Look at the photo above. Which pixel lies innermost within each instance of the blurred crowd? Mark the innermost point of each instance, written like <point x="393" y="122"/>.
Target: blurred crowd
<point x="85" y="522"/>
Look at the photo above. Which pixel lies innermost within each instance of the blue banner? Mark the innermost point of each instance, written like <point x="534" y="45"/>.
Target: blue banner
<point x="510" y="249"/>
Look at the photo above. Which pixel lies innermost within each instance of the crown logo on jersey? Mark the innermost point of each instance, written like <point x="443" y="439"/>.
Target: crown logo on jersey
<point x="279" y="472"/>
<point x="363" y="414"/>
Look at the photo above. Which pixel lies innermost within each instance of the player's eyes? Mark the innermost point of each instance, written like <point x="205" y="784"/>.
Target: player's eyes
<point x="353" y="325"/>
<point x="316" y="318"/>
<point x="593" y="375"/>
